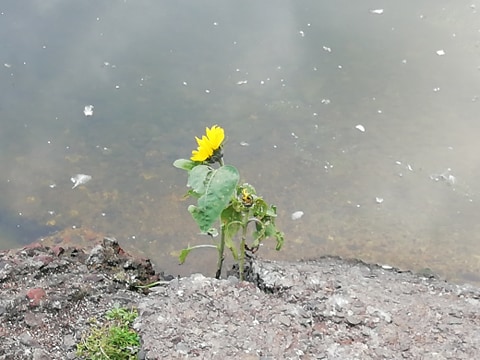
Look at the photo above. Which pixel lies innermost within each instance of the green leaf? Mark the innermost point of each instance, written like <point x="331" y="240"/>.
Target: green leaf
<point x="280" y="239"/>
<point x="185" y="164"/>
<point x="231" y="223"/>
<point x="183" y="254"/>
<point x="219" y="187"/>
<point x="231" y="220"/>
<point x="198" y="178"/>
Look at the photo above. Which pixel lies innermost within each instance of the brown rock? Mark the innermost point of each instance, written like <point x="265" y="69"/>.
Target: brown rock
<point x="35" y="296"/>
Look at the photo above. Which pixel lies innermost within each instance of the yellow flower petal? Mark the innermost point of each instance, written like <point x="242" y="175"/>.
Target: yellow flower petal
<point x="208" y="144"/>
<point x="215" y="136"/>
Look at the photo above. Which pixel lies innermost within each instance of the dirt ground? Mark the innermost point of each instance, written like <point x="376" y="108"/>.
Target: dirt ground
<point x="325" y="309"/>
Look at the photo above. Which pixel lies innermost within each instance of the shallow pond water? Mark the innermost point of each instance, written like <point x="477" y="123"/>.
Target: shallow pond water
<point x="362" y="116"/>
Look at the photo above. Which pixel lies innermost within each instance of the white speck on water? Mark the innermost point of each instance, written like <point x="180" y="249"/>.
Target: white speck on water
<point x="437" y="89"/>
<point x="8" y="66"/>
<point x="88" y="110"/>
<point x="297" y="215"/>
<point x="207" y="91"/>
<point x="80" y="179"/>
<point x="294" y="135"/>
<point x="117" y="87"/>
<point x="378" y="200"/>
<point x="445" y="176"/>
<point x="184" y="83"/>
<point x="242" y="82"/>
<point x="244" y="143"/>
<point x="327" y="49"/>
<point x="440" y="52"/>
<point x="376" y="11"/>
<point x="325" y="101"/>
<point x="404" y="61"/>
<point x="302" y="34"/>
<point x="360" y="128"/>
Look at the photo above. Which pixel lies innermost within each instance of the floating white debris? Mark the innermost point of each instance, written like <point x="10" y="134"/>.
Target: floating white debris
<point x="242" y="82"/>
<point x="297" y="215"/>
<point x="377" y="11"/>
<point x="445" y="176"/>
<point x="360" y="128"/>
<point x="8" y="66"/>
<point x="327" y="49"/>
<point x="302" y="34"/>
<point x="378" y="200"/>
<point x="440" y="52"/>
<point x="326" y="101"/>
<point x="88" y="110"/>
<point x="80" y="179"/>
<point x="244" y="143"/>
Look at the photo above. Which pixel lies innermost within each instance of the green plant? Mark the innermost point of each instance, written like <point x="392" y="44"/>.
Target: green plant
<point x="221" y="198"/>
<point x="113" y="338"/>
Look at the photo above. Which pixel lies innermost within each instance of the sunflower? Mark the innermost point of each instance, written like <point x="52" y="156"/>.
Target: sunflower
<point x="210" y="145"/>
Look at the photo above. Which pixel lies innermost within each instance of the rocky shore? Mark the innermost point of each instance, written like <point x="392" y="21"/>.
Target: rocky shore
<point x="325" y="309"/>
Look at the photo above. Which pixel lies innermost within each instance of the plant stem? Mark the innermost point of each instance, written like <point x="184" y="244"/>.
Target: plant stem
<point x="241" y="262"/>
<point x="221" y="249"/>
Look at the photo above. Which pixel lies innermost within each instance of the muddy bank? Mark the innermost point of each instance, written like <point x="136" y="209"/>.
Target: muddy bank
<point x="325" y="309"/>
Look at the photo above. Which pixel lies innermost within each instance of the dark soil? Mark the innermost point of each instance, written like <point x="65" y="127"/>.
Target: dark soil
<point x="325" y="309"/>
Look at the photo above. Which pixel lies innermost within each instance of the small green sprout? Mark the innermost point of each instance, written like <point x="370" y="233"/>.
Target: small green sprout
<point x="112" y="339"/>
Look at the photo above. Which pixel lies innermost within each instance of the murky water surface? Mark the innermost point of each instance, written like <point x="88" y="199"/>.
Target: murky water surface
<point x="364" y="115"/>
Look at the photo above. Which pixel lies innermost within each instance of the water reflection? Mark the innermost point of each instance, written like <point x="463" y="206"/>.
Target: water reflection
<point x="293" y="81"/>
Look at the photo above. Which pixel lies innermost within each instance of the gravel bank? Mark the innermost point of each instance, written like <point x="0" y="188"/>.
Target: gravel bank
<point x="325" y="309"/>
